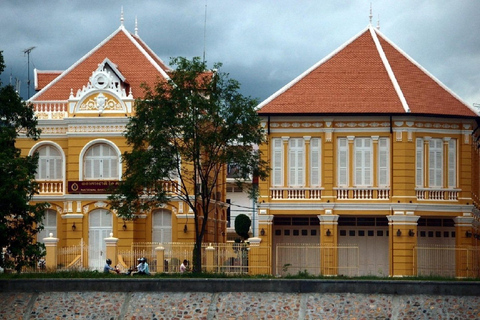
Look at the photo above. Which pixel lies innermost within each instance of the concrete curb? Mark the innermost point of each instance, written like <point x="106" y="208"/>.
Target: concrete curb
<point x="398" y="287"/>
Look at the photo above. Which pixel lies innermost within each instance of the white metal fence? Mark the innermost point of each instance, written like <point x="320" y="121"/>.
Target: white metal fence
<point x="294" y="258"/>
<point x="435" y="260"/>
<point x="228" y="257"/>
<point x="73" y="257"/>
<point x="314" y="259"/>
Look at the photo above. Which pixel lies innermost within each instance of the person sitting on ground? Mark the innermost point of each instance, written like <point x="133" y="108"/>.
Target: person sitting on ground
<point x="184" y="266"/>
<point x="108" y="268"/>
<point x="142" y="268"/>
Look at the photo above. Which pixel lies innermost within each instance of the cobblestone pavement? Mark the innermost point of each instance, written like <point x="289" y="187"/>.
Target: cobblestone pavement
<point x="245" y="305"/>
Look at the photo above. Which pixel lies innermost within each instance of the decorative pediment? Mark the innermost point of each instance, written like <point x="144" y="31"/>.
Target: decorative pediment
<point x="104" y="93"/>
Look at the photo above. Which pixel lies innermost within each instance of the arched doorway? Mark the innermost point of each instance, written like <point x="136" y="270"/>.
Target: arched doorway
<point x="100" y="227"/>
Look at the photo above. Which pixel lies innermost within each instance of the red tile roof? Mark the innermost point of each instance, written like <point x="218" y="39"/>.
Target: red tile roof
<point x="134" y="60"/>
<point x="368" y="75"/>
<point x="44" y="77"/>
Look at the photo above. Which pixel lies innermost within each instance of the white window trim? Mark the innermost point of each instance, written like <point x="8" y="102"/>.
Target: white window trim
<point x="85" y="149"/>
<point x="62" y="154"/>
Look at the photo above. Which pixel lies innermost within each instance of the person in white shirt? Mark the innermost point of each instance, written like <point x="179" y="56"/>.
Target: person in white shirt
<point x="184" y="266"/>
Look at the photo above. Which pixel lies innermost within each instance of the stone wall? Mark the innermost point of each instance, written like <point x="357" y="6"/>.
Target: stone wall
<point x="228" y="299"/>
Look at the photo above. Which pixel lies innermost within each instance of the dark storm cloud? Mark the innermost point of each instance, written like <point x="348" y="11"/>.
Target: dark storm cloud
<point x="263" y="43"/>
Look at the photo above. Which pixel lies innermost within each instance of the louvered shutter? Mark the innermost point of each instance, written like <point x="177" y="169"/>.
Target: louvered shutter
<point x="358" y="162"/>
<point x="419" y="163"/>
<point x="296" y="162"/>
<point x="42" y="164"/>
<point x="383" y="161"/>
<point x="435" y="163"/>
<point x="58" y="174"/>
<point x="300" y="163"/>
<point x="363" y="162"/>
<point x="315" y="162"/>
<point x="367" y="162"/>
<point x="452" y="163"/>
<point x="42" y="170"/>
<point x="277" y="155"/>
<point x="342" y="162"/>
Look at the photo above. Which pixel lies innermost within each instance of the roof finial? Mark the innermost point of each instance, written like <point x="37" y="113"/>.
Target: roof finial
<point x="370" y="16"/>
<point x="378" y="22"/>
<point x="136" y="26"/>
<point x="121" y="17"/>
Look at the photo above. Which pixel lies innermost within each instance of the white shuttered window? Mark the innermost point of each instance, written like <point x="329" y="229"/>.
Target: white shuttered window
<point x="50" y="164"/>
<point x="50" y="225"/>
<point x="315" y="158"/>
<point x="101" y="162"/>
<point x="452" y="163"/>
<point x="296" y="162"/>
<point x="435" y="163"/>
<point x="383" y="162"/>
<point x="162" y="226"/>
<point x="419" y="163"/>
<point x="363" y="162"/>
<point x="277" y="162"/>
<point x="342" y="163"/>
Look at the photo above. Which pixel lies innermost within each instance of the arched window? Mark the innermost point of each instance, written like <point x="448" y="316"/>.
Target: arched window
<point x="101" y="162"/>
<point x="50" y="163"/>
<point x="50" y="225"/>
<point x="162" y="226"/>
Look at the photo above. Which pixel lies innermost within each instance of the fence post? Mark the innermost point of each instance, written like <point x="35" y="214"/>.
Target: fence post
<point x="464" y="239"/>
<point x="258" y="257"/>
<point x="160" y="252"/>
<point x="51" y="254"/>
<point x="112" y="249"/>
<point x="209" y="252"/>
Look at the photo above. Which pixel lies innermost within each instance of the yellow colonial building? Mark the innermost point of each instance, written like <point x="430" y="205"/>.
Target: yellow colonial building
<point x="83" y="112"/>
<point x="374" y="168"/>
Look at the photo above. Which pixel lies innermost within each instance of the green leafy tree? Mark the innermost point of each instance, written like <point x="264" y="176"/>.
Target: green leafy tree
<point x="187" y="129"/>
<point x="19" y="220"/>
<point x="242" y="225"/>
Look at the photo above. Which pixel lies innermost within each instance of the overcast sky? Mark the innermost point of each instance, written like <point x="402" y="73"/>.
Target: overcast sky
<point x="262" y="43"/>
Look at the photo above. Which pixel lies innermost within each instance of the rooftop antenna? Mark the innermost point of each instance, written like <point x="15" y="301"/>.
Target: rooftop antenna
<point x="121" y="17"/>
<point x="370" y="16"/>
<point x="378" y="22"/>
<point x="18" y="85"/>
<point x="205" y="32"/>
<point x="27" y="52"/>
<point x="136" y="26"/>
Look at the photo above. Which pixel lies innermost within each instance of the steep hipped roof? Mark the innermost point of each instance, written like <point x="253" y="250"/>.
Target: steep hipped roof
<point x="135" y="60"/>
<point x="367" y="75"/>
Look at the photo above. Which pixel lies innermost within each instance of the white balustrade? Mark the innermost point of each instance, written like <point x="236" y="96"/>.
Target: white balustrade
<point x="50" y="187"/>
<point x="50" y="109"/>
<point x="295" y="193"/>
<point x="437" y="194"/>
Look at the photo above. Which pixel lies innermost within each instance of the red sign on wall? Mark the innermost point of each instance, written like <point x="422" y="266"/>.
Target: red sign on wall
<point x="91" y="187"/>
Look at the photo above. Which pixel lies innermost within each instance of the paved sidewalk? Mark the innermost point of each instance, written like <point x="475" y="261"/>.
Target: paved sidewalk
<point x="238" y="305"/>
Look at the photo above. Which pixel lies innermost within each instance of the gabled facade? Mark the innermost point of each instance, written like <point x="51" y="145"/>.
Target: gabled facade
<point x="373" y="161"/>
<point x="83" y="112"/>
